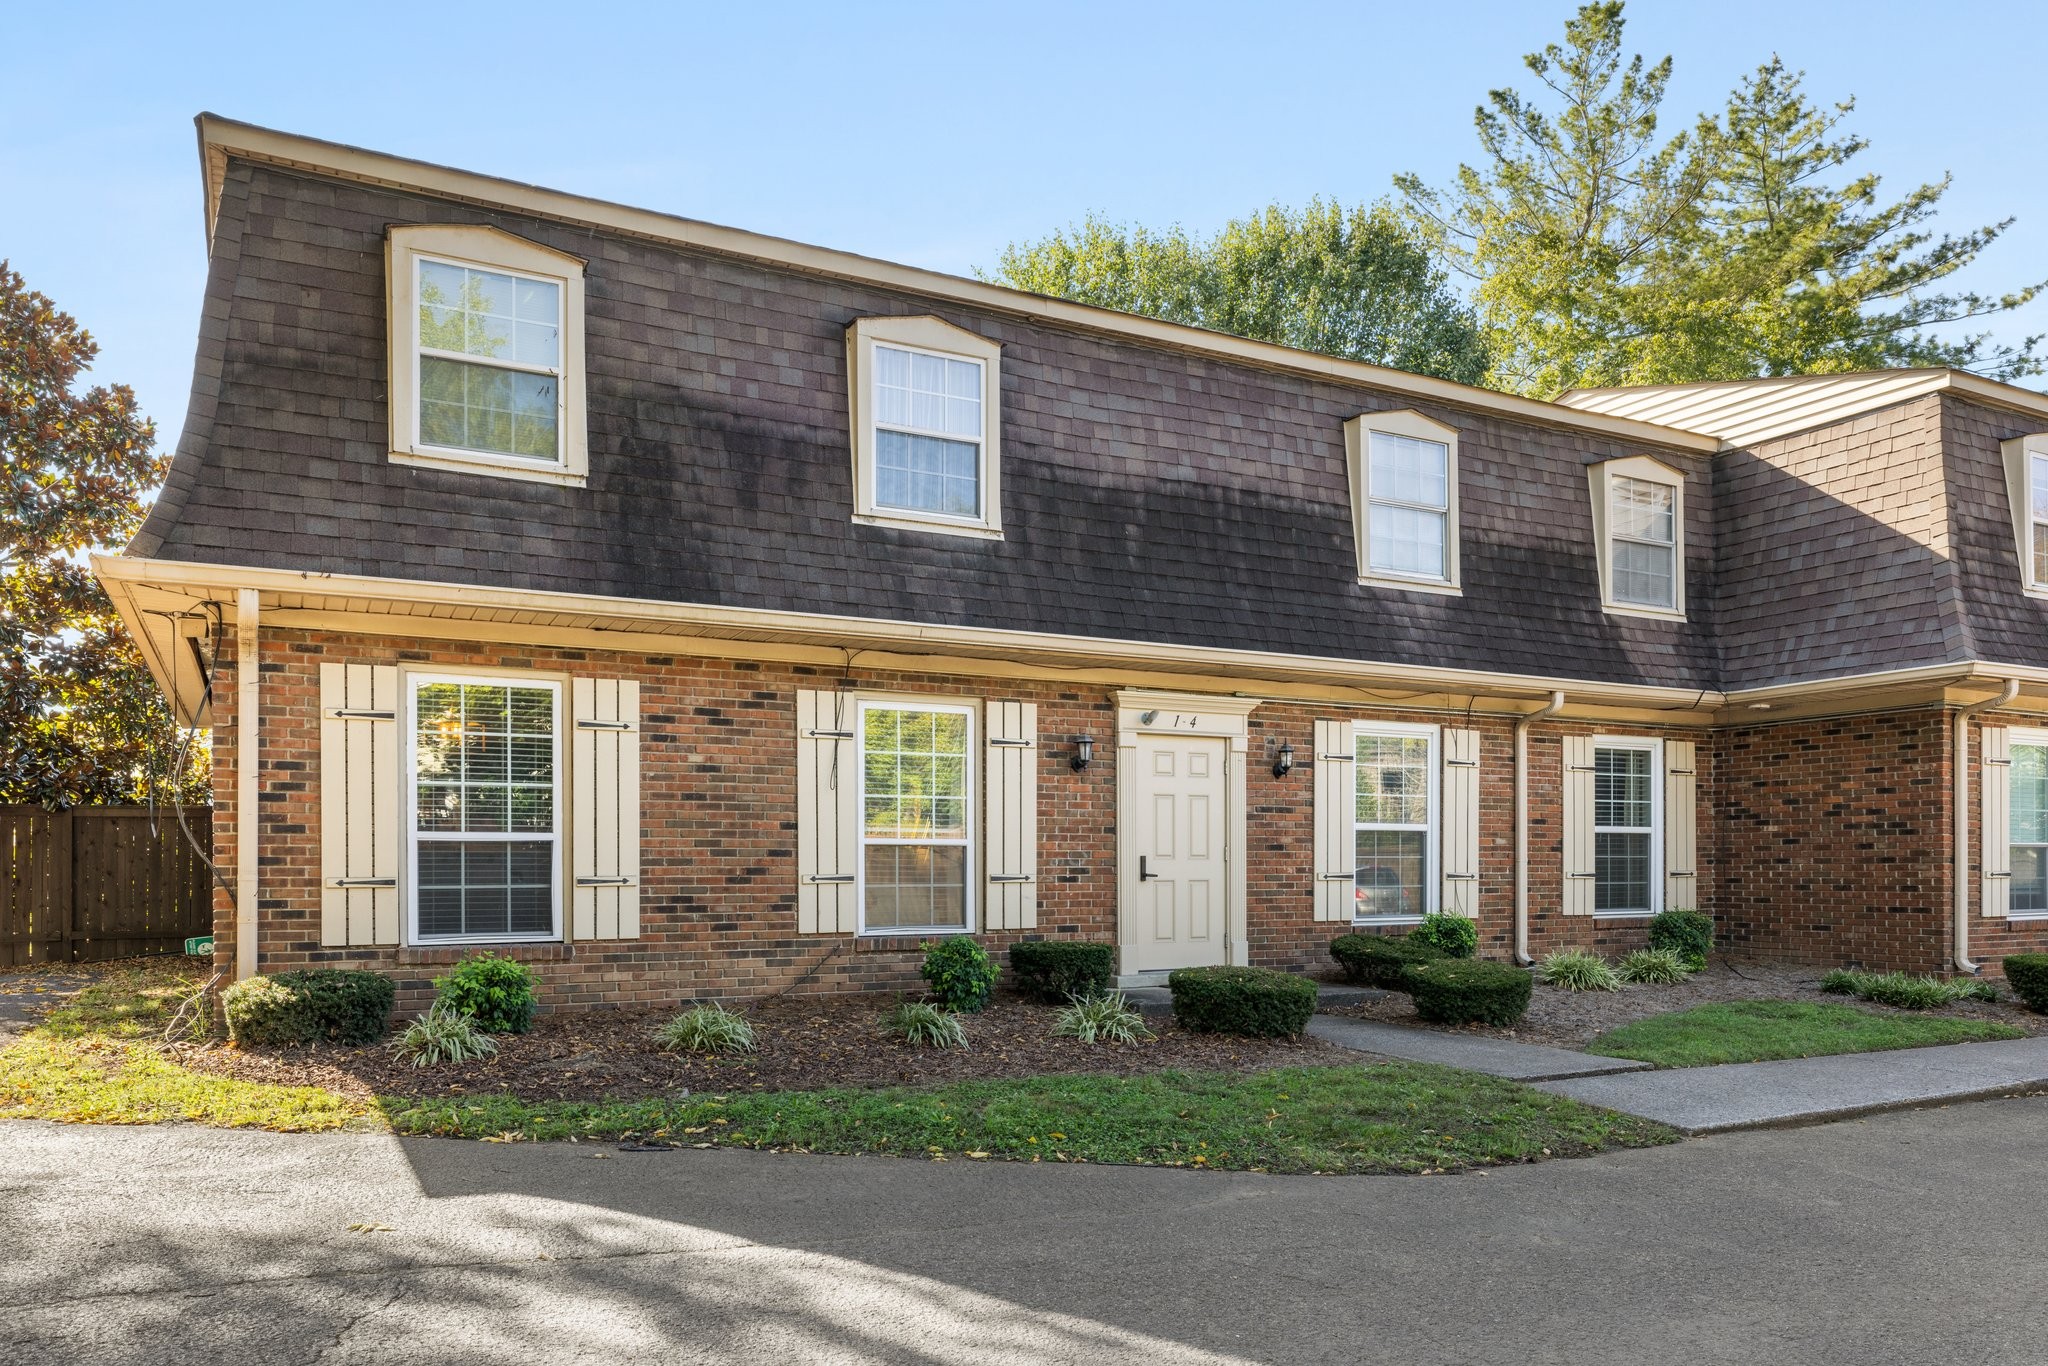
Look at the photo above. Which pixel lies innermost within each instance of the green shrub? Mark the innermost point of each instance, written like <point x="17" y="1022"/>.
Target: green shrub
<point x="498" y="993"/>
<point x="959" y="972"/>
<point x="2027" y="975"/>
<point x="1378" y="960"/>
<point x="1458" y="991"/>
<point x="1577" y="970"/>
<point x="1256" y="1002"/>
<point x="706" y="1029"/>
<point x="262" y="1010"/>
<point x="349" y="1006"/>
<point x="1689" y="934"/>
<point x="925" y="1025"/>
<point x="1842" y="982"/>
<point x="1453" y="936"/>
<point x="1108" y="1018"/>
<point x="1657" y="967"/>
<point x="443" y="1034"/>
<point x="1908" y="992"/>
<point x="1055" y="970"/>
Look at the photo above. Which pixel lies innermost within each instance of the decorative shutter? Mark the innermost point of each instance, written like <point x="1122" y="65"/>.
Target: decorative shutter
<point x="1336" y="814"/>
<point x="1681" y="826"/>
<point x="1459" y="814"/>
<point x="1994" y="776"/>
<point x="1011" y="839"/>
<point x="604" y="803"/>
<point x="361" y="791"/>
<point x="1578" y="825"/>
<point x="828" y="811"/>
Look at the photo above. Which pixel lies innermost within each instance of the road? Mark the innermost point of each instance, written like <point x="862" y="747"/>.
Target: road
<point x="1904" y="1237"/>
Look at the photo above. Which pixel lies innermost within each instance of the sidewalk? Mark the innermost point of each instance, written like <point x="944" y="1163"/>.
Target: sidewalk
<point x="1495" y="1057"/>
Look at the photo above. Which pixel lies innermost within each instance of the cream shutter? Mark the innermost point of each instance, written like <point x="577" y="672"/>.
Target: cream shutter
<point x="361" y="791"/>
<point x="604" y="803"/>
<point x="1681" y="826"/>
<point x="828" y="812"/>
<point x="1459" y="817"/>
<point x="1995" y="779"/>
<point x="1010" y="842"/>
<point x="1578" y="825"/>
<point x="1336" y="814"/>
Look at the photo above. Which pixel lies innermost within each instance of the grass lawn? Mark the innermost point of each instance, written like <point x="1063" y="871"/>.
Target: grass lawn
<point x="97" y="1060"/>
<point x="1759" y="1031"/>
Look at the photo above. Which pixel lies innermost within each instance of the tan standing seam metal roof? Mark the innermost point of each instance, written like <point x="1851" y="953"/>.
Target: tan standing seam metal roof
<point x="1745" y="411"/>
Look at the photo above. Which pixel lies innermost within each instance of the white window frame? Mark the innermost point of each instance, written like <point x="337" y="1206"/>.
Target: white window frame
<point x="1358" y="457"/>
<point x="1655" y="830"/>
<point x="2020" y="452"/>
<point x="410" y="684"/>
<point x="1432" y="872"/>
<point x="1601" y="477"/>
<point x="482" y="248"/>
<point x="971" y="807"/>
<point x="932" y="337"/>
<point x="2033" y="739"/>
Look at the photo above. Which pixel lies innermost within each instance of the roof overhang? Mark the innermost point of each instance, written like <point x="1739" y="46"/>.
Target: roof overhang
<point x="221" y="139"/>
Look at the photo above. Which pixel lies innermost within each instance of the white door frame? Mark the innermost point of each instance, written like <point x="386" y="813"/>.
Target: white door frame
<point x="1140" y="713"/>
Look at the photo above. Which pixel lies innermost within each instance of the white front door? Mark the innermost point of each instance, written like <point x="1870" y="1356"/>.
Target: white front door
<point x="1175" y="888"/>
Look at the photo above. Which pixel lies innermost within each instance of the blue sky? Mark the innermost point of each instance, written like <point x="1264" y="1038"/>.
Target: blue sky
<point x="929" y="134"/>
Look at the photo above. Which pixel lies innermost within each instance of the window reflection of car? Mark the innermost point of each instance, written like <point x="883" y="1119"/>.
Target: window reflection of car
<point x="1381" y="891"/>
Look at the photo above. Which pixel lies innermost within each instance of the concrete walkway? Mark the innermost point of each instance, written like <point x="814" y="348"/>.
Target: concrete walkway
<point x="1495" y="1057"/>
<point x="1760" y="1095"/>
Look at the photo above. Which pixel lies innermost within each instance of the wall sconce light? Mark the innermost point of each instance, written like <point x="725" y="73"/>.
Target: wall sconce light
<point x="1283" y="762"/>
<point x="1084" y="752"/>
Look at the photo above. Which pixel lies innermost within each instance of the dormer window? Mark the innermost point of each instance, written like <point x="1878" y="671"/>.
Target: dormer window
<point x="1639" y="529"/>
<point x="486" y="353"/>
<point x="925" y="425"/>
<point x="2026" y="483"/>
<point x="1404" y="500"/>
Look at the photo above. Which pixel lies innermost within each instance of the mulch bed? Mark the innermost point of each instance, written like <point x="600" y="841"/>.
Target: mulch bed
<point x="1573" y="1019"/>
<point x="805" y="1042"/>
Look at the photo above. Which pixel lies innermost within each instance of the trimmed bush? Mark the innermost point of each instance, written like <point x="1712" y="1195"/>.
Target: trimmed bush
<point x="443" y="1034"/>
<point x="349" y="1006"/>
<point x="1689" y="934"/>
<point x="1055" y="970"/>
<point x="262" y="1010"/>
<point x="959" y="972"/>
<point x="706" y="1029"/>
<point x="1378" y="960"/>
<point x="1451" y="935"/>
<point x="1258" y="1003"/>
<point x="924" y="1025"/>
<point x="1457" y="991"/>
<point x="1577" y="970"/>
<point x="1655" y="967"/>
<point x="2027" y="975"/>
<point x="498" y="993"/>
<point x="1100" y="1019"/>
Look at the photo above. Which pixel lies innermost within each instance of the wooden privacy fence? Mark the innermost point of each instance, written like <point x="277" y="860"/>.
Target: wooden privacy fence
<point x="96" y="882"/>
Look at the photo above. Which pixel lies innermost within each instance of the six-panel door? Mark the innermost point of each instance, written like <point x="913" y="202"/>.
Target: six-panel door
<point x="1175" y="892"/>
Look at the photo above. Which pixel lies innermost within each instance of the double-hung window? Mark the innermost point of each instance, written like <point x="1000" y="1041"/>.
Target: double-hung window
<point x="484" y="759"/>
<point x="1404" y="492"/>
<point x="1639" y="526"/>
<point x="925" y="424"/>
<point x="2026" y="482"/>
<point x="1395" y="821"/>
<point x="486" y="353"/>
<point x="917" y="803"/>
<point x="2029" y="824"/>
<point x="1627" y="827"/>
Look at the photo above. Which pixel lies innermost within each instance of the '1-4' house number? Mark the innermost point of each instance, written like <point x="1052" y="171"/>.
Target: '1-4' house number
<point x="1190" y="722"/>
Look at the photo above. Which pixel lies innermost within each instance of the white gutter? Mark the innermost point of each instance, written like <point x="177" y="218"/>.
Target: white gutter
<point x="1551" y="708"/>
<point x="1960" y="819"/>
<point x="248" y="672"/>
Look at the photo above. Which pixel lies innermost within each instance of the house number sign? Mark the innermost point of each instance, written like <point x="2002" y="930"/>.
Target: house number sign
<point x="1175" y="720"/>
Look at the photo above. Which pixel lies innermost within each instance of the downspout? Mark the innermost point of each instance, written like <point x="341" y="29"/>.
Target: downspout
<point x="248" y="673"/>
<point x="1551" y="708"/>
<point x="1959" y="820"/>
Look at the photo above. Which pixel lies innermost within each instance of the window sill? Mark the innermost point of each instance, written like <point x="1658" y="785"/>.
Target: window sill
<point x="1384" y="921"/>
<point x="901" y="941"/>
<point x="2025" y="916"/>
<point x="1441" y="589"/>
<point x="484" y="464"/>
<point x="906" y="522"/>
<point x="1622" y="609"/>
<point x="1624" y="915"/>
<point x="524" y="951"/>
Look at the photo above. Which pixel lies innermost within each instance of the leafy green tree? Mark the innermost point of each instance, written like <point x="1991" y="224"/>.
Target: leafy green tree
<point x="1601" y="252"/>
<point x="1351" y="282"/>
<point x="81" y="718"/>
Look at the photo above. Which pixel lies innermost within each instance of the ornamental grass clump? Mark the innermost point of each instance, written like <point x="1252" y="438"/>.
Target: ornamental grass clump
<point x="1577" y="970"/>
<point x="1904" y="991"/>
<point x="1654" y="967"/>
<point x="924" y="1025"/>
<point x="444" y="1034"/>
<point x="706" y="1029"/>
<point x="1108" y="1018"/>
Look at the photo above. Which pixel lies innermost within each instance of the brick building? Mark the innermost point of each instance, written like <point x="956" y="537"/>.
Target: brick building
<point x="696" y="614"/>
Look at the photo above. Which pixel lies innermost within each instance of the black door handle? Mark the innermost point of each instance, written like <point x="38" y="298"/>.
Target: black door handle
<point x="1144" y="874"/>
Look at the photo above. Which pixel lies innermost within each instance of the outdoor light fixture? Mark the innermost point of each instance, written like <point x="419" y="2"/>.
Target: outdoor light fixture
<point x="1084" y="753"/>
<point x="1283" y="762"/>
